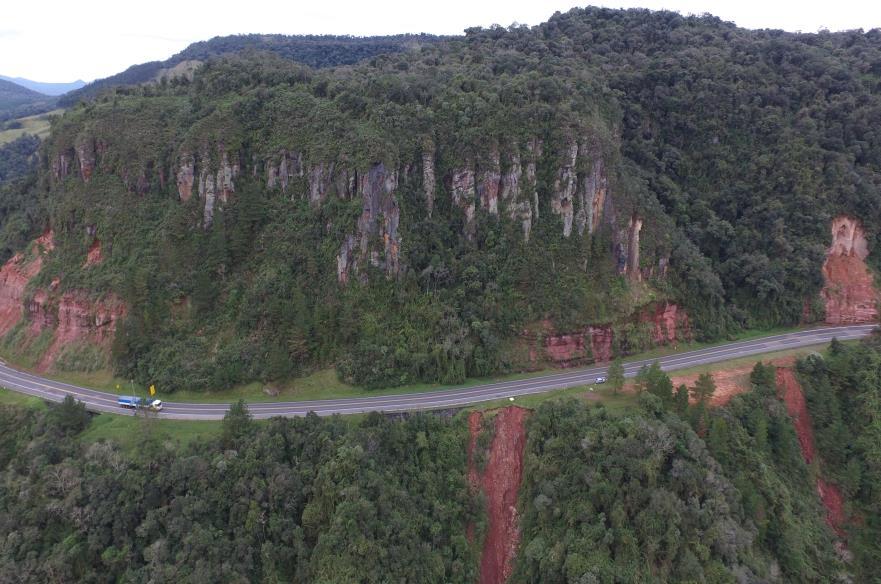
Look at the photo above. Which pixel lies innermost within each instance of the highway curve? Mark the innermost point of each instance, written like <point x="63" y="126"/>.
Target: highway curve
<point x="444" y="398"/>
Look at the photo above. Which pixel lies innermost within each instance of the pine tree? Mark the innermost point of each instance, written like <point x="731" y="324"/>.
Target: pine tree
<point x="616" y="375"/>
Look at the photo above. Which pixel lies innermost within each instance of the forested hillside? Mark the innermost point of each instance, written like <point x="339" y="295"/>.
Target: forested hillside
<point x="593" y="186"/>
<point x="17" y="101"/>
<point x="843" y="395"/>
<point x="607" y="496"/>
<point x="311" y="50"/>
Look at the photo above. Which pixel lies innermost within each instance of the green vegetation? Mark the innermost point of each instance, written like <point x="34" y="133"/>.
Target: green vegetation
<point x="628" y="497"/>
<point x="36" y="126"/>
<point x="843" y="393"/>
<point x="305" y="500"/>
<point x="627" y="491"/>
<point x="17" y="101"/>
<point x="311" y="50"/>
<point x="735" y="192"/>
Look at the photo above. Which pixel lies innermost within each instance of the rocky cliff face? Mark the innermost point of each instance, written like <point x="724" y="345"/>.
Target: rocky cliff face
<point x="580" y="189"/>
<point x="376" y="239"/>
<point x="668" y="324"/>
<point x="429" y="181"/>
<point x="75" y="319"/>
<point x="72" y="316"/>
<point x="14" y="278"/>
<point x="849" y="291"/>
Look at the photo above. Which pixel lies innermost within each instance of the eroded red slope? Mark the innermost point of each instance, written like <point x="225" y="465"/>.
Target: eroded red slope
<point x="791" y="392"/>
<point x="500" y="483"/>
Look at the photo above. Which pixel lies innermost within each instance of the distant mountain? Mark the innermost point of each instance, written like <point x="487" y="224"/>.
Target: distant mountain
<point x="315" y="51"/>
<point x="17" y="101"/>
<point x="52" y="89"/>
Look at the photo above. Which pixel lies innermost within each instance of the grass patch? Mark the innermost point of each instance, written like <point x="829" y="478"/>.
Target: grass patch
<point x="21" y="347"/>
<point x="13" y="398"/>
<point x="37" y="125"/>
<point x="129" y="431"/>
<point x="83" y="357"/>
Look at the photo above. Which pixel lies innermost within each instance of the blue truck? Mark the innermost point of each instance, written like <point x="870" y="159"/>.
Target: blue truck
<point x="134" y="402"/>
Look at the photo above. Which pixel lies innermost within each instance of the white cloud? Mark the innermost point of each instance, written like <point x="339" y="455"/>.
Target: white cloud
<point x="62" y="40"/>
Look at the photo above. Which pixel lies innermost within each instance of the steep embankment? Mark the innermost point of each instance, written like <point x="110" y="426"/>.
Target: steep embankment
<point x="849" y="291"/>
<point x="793" y="397"/>
<point x="74" y="317"/>
<point x="500" y="482"/>
<point x="656" y="324"/>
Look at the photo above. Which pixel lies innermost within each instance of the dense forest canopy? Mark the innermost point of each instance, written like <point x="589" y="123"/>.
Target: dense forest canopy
<point x="655" y="492"/>
<point x="407" y="217"/>
<point x="311" y="50"/>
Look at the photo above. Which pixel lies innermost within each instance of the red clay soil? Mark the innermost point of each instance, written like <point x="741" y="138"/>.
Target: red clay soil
<point x="501" y="484"/>
<point x="78" y="319"/>
<point x="729" y="382"/>
<point x="848" y="292"/>
<point x="793" y="397"/>
<point x="14" y="278"/>
<point x="94" y="256"/>
<point x="790" y="391"/>
<point x="833" y="500"/>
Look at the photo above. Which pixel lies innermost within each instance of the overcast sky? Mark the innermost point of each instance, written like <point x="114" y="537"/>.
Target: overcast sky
<point x="62" y="41"/>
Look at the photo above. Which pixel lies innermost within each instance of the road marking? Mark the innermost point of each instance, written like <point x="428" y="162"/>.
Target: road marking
<point x="450" y="397"/>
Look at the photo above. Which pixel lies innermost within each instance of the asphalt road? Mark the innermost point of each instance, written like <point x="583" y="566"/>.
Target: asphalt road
<point x="447" y="398"/>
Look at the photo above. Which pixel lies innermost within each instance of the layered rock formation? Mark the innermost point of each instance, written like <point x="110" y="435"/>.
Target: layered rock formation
<point x="849" y="291"/>
<point x="72" y="316"/>
<point x="75" y="319"/>
<point x="668" y="323"/>
<point x="14" y="278"/>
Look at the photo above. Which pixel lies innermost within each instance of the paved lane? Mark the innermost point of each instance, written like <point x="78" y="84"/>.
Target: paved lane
<point x="447" y="398"/>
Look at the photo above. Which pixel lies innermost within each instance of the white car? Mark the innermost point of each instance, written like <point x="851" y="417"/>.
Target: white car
<point x="600" y="380"/>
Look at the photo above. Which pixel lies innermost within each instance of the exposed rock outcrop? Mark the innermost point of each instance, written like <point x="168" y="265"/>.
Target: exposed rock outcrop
<point x="216" y="186"/>
<point x="464" y="194"/>
<point x="488" y="185"/>
<point x="500" y="483"/>
<point x="73" y="316"/>
<point x="14" y="277"/>
<point x="76" y="319"/>
<point x="85" y="155"/>
<point x="668" y="324"/>
<point x="94" y="255"/>
<point x="376" y="239"/>
<point x="60" y="167"/>
<point x="580" y="197"/>
<point x="631" y="265"/>
<point x="319" y="181"/>
<point x="279" y="173"/>
<point x="520" y="192"/>
<point x="565" y="186"/>
<point x="186" y="177"/>
<point x="849" y="291"/>
<point x="429" y="182"/>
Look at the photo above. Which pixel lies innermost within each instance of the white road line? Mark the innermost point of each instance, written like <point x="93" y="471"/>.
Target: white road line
<point x="436" y="399"/>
